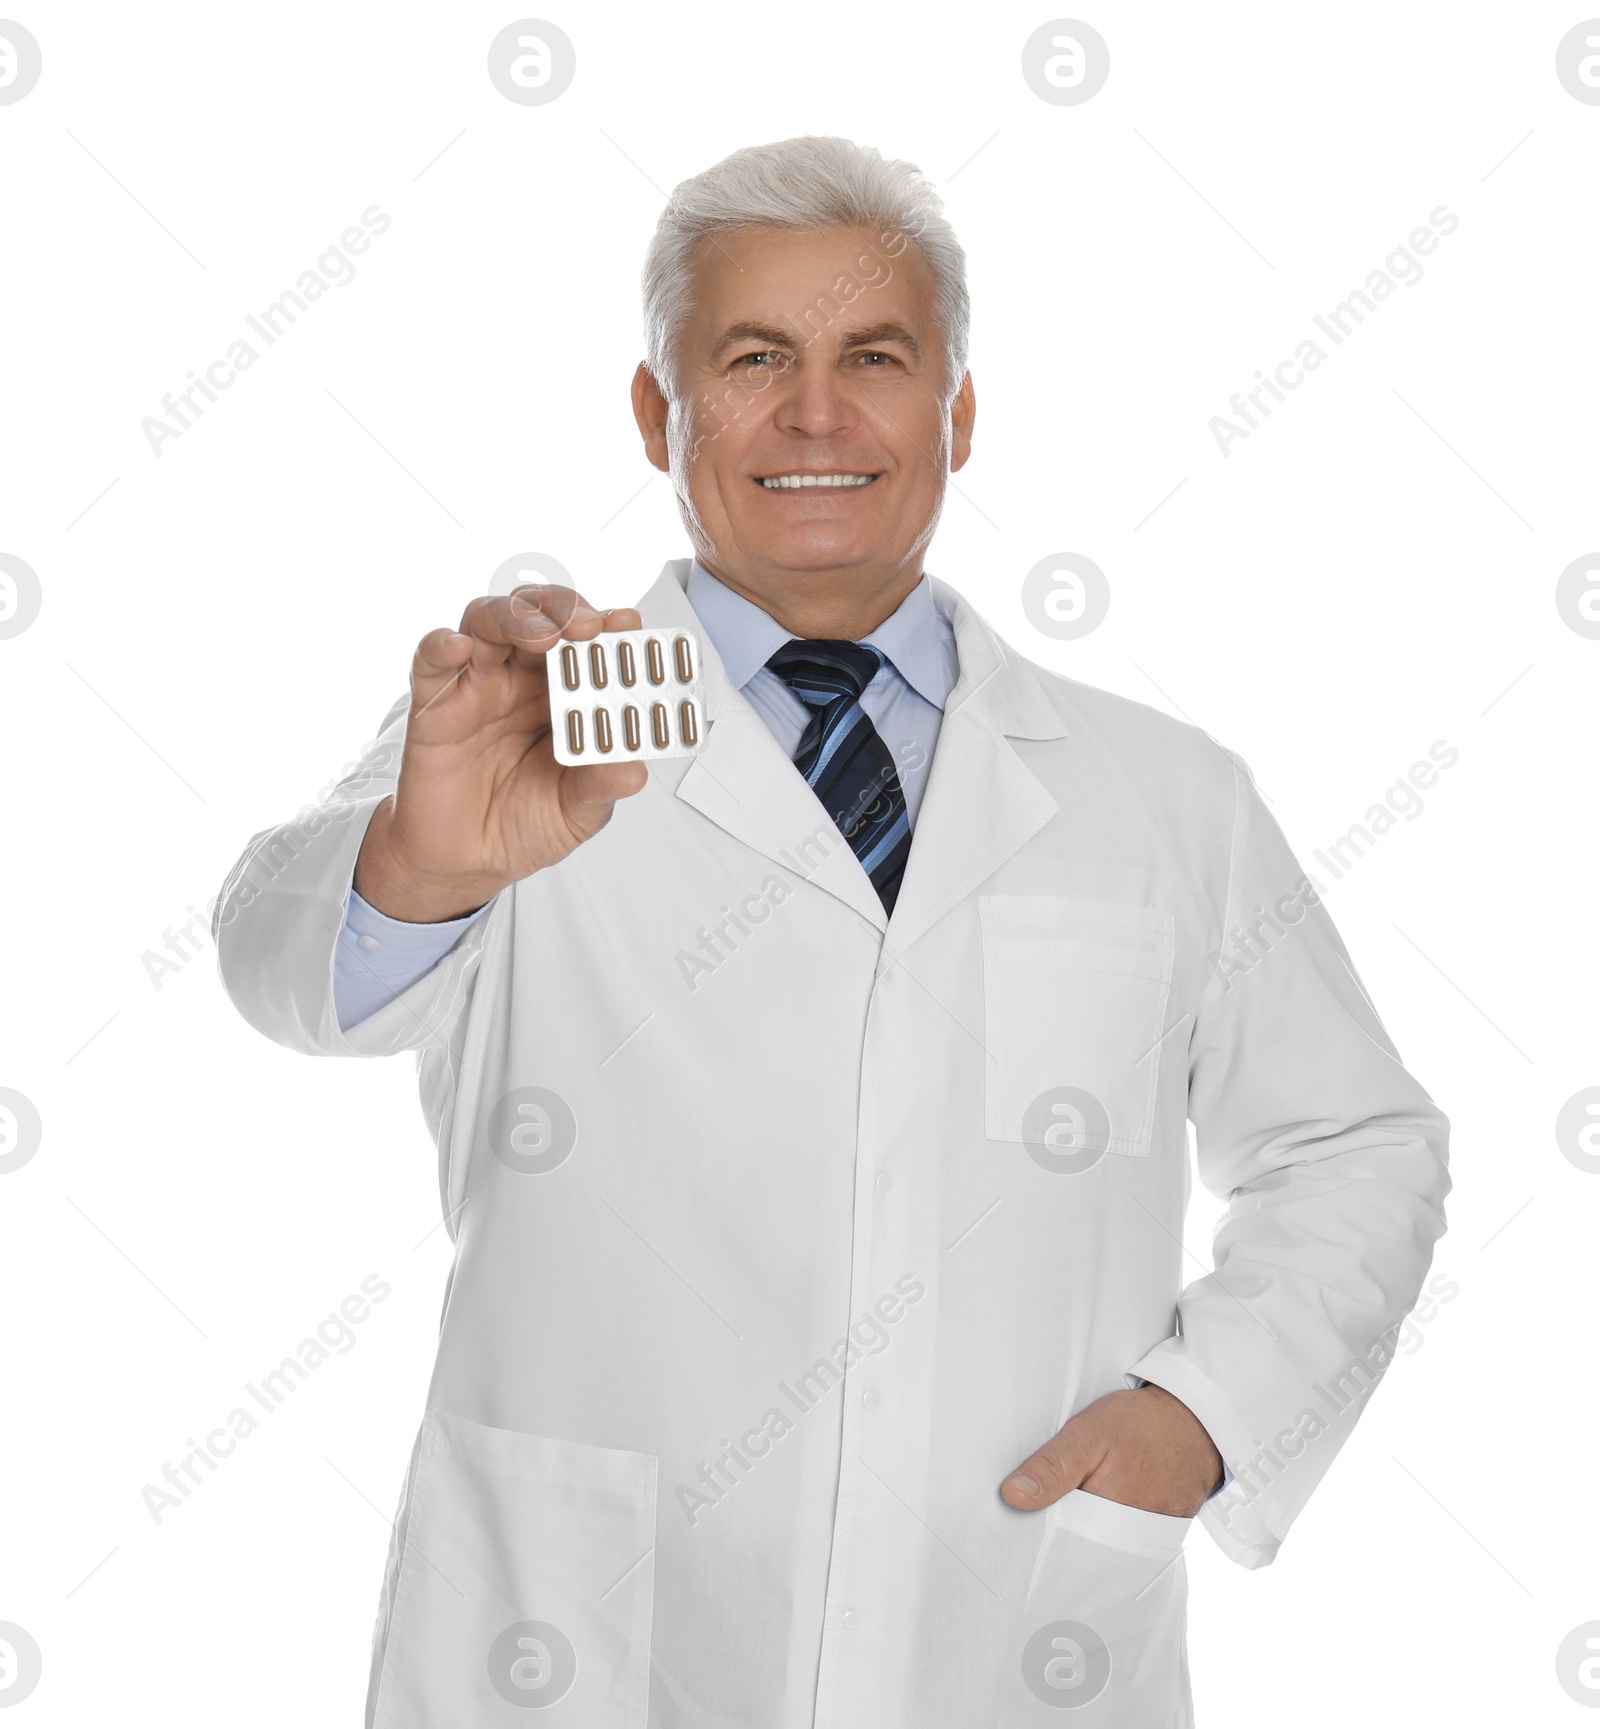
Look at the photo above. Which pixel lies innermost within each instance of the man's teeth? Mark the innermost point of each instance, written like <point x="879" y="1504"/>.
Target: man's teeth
<point x="777" y="480"/>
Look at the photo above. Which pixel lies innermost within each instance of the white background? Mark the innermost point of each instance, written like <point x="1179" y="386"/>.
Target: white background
<point x="1372" y="570"/>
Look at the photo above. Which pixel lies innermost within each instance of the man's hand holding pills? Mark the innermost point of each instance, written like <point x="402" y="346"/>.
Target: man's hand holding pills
<point x="481" y="800"/>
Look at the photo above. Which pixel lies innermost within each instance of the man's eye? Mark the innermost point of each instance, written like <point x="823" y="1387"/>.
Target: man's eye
<point x="766" y="357"/>
<point x="875" y="354"/>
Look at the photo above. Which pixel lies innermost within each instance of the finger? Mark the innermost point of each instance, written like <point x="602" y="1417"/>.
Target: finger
<point x="531" y="618"/>
<point x="559" y="603"/>
<point x="443" y="656"/>
<point x="1058" y="1466"/>
<point x="589" y="793"/>
<point x="438" y="662"/>
<point x="566" y="607"/>
<point x="550" y="611"/>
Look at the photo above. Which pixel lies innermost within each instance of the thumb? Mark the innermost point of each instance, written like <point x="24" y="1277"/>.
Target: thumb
<point x="1060" y="1464"/>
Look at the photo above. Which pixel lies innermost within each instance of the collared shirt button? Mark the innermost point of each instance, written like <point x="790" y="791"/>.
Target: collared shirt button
<point x="850" y="1619"/>
<point x="367" y="943"/>
<point x="870" y="1398"/>
<point x="885" y="1181"/>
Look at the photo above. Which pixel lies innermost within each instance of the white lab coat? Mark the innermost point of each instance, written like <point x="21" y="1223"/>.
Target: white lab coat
<point x="774" y="1255"/>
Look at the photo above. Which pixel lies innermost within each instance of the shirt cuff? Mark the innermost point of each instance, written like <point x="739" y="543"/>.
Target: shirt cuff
<point x="377" y="958"/>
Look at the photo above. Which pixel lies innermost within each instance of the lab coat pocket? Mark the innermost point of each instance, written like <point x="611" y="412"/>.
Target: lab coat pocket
<point x="1075" y="992"/>
<point x="525" y="1581"/>
<point x="1103" y="1629"/>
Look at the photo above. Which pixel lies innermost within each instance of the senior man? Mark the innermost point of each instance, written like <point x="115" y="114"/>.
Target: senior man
<point x="811" y="1110"/>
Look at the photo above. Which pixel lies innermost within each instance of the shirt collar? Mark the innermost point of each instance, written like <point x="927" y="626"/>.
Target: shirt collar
<point x="915" y="638"/>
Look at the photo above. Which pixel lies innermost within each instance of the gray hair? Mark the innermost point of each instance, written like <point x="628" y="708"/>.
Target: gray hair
<point x="801" y="183"/>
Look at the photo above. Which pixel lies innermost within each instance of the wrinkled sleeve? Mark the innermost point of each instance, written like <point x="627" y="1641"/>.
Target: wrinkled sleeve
<point x="1332" y="1161"/>
<point x="278" y="920"/>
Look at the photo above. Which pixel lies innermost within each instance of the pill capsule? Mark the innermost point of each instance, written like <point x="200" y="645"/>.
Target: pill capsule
<point x="609" y="696"/>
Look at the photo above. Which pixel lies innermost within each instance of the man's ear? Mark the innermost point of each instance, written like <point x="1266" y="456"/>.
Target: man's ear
<point x="963" y="411"/>
<point x="650" y="412"/>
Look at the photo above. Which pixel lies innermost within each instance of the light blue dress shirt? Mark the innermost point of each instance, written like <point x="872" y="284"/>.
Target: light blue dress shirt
<point x="377" y="957"/>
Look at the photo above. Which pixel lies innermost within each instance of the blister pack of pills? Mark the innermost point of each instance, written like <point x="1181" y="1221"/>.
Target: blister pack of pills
<point x="627" y="695"/>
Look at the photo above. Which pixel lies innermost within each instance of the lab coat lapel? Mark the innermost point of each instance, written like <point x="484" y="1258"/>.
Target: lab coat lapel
<point x="982" y="802"/>
<point x="742" y="781"/>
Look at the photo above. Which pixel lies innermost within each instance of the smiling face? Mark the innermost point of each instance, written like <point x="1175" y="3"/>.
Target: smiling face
<point x="811" y="434"/>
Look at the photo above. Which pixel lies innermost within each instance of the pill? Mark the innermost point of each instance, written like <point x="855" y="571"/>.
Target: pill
<point x="599" y="706"/>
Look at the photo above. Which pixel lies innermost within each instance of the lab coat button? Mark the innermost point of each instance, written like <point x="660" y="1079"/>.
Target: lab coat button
<point x="367" y="943"/>
<point x="884" y="1182"/>
<point x="851" y="1618"/>
<point x="870" y="1398"/>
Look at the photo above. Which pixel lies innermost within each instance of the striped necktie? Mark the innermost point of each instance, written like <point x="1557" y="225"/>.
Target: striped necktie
<point x="845" y="763"/>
